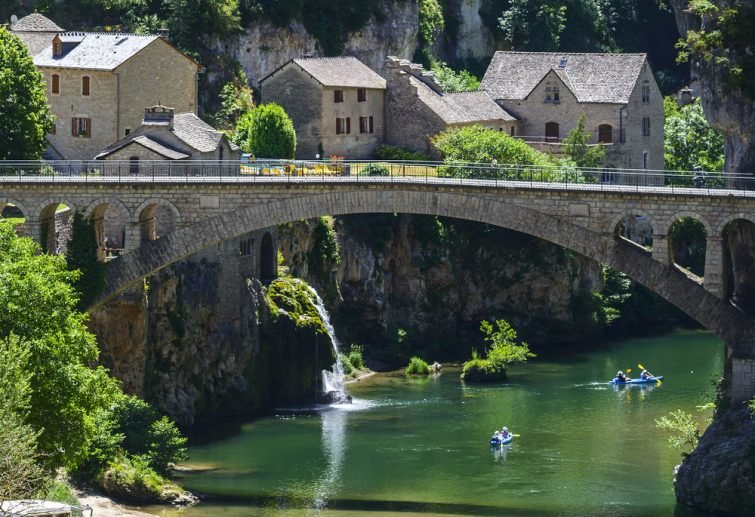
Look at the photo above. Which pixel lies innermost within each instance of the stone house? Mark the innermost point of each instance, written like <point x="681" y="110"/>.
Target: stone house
<point x="617" y="93"/>
<point x="98" y="85"/>
<point x="36" y="31"/>
<point x="164" y="135"/>
<point x="417" y="109"/>
<point x="335" y="103"/>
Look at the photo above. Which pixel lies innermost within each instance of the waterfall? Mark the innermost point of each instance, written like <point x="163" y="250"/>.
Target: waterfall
<point x="333" y="388"/>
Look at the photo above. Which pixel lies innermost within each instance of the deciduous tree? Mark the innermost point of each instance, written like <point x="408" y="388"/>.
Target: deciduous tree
<point x="267" y="132"/>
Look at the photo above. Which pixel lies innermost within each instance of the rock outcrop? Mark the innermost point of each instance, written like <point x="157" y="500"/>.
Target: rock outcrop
<point x="719" y="475"/>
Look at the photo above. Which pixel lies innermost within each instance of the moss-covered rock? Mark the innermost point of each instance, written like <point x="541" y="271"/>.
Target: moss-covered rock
<point x="482" y="370"/>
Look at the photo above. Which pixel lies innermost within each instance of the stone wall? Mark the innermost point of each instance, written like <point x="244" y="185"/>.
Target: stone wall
<point x="354" y="145"/>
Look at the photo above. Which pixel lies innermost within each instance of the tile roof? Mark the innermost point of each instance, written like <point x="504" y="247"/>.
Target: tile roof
<point x="96" y="50"/>
<point x="598" y="78"/>
<point x="35" y="22"/>
<point x="348" y="72"/>
<point x="462" y="107"/>
<point x="157" y="147"/>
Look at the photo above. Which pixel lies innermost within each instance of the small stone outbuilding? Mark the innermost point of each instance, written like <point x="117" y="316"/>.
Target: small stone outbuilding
<point x="35" y="31"/>
<point x="335" y="103"/>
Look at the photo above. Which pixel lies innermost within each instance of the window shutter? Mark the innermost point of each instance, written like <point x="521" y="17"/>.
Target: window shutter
<point x="74" y="127"/>
<point x="348" y="125"/>
<point x="88" y="132"/>
<point x="372" y="127"/>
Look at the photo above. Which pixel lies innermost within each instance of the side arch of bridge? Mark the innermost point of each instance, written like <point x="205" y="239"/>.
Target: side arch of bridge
<point x="725" y="320"/>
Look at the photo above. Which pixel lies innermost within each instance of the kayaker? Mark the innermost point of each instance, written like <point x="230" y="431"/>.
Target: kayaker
<point x="645" y="375"/>
<point x="505" y="432"/>
<point x="620" y="377"/>
<point x="497" y="435"/>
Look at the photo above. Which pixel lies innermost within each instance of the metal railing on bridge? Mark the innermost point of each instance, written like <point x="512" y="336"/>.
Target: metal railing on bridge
<point x="335" y="170"/>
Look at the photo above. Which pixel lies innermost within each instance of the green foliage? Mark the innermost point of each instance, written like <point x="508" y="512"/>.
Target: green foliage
<point x="235" y="101"/>
<point x="39" y="306"/>
<point x="482" y="145"/>
<point x="267" y="132"/>
<point x="187" y="19"/>
<point x="25" y="117"/>
<point x="504" y="349"/>
<point x="331" y="21"/>
<point x="391" y="152"/>
<point x="325" y="254"/>
<point x="375" y="169"/>
<point x="132" y="477"/>
<point x="724" y="42"/>
<point x="689" y="239"/>
<point x="689" y="141"/>
<point x="683" y="429"/>
<point x="417" y="366"/>
<point x="751" y="405"/>
<point x="355" y="356"/>
<point x="431" y="22"/>
<point x="577" y="146"/>
<point x="452" y="81"/>
<point x="292" y="297"/>
<point x="82" y="256"/>
<point x="167" y="445"/>
<point x="61" y="493"/>
<point x="533" y="24"/>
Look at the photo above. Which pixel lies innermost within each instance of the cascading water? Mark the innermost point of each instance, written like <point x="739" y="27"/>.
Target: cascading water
<point x="333" y="388"/>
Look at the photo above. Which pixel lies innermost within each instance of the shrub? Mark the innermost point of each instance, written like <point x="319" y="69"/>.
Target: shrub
<point x="392" y="152"/>
<point x="504" y="350"/>
<point x="417" y="366"/>
<point x="355" y="357"/>
<point x="166" y="445"/>
<point x="375" y="169"/>
<point x="684" y="434"/>
<point x="267" y="132"/>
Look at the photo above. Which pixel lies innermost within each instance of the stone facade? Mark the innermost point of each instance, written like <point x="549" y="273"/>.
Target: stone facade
<point x="336" y="105"/>
<point x="97" y="100"/>
<point x="416" y="109"/>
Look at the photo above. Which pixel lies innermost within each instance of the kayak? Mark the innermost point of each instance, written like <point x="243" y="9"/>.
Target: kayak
<point x="637" y="381"/>
<point x="504" y="441"/>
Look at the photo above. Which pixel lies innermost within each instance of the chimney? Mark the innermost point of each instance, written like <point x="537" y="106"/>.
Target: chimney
<point x="159" y="115"/>
<point x="164" y="33"/>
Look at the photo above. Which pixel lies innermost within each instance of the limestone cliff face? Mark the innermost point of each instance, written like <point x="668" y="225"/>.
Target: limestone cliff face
<point x="719" y="476"/>
<point x="438" y="283"/>
<point x="263" y="47"/>
<point x="473" y="41"/>
<point x="726" y="108"/>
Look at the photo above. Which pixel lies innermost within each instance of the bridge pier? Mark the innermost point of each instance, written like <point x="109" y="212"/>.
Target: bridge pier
<point x="133" y="237"/>
<point x="714" y="264"/>
<point x="661" y="250"/>
<point x="742" y="379"/>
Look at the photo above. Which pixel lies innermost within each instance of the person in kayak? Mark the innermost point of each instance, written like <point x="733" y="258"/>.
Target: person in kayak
<point x="645" y="375"/>
<point x="505" y="433"/>
<point x="496" y="435"/>
<point x="620" y="377"/>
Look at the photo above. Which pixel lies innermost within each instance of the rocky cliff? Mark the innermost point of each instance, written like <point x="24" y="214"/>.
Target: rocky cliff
<point x="437" y="279"/>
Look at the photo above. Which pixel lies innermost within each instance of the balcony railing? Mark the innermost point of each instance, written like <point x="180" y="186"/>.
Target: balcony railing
<point x="484" y="174"/>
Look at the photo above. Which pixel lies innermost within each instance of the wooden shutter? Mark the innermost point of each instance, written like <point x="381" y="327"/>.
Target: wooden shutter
<point x="85" y="85"/>
<point x="74" y="127"/>
<point x="88" y="126"/>
<point x="55" y="83"/>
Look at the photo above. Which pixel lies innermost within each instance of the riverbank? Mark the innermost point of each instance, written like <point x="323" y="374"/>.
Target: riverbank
<point x="103" y="506"/>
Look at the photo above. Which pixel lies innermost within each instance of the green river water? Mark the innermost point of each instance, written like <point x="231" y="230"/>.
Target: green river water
<point x="420" y="445"/>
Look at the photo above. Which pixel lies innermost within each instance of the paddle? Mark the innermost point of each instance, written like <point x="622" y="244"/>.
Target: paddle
<point x="657" y="380"/>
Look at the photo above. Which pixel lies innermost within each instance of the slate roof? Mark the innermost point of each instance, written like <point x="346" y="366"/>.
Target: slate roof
<point x="347" y="72"/>
<point x="596" y="78"/>
<point x="462" y="107"/>
<point x="35" y="22"/>
<point x="188" y="129"/>
<point x="96" y="50"/>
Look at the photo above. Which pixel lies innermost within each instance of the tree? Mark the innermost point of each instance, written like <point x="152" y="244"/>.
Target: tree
<point x="504" y="349"/>
<point x="39" y="306"/>
<point x="577" y="146"/>
<point x="533" y="24"/>
<point x="235" y="100"/>
<point x="267" y="132"/>
<point x="689" y="141"/>
<point x="82" y="256"/>
<point x="483" y="145"/>
<point x="25" y="117"/>
<point x="452" y="81"/>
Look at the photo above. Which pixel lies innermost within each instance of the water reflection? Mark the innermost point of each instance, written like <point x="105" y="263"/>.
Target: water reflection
<point x="333" y="437"/>
<point x="630" y="392"/>
<point x="500" y="452"/>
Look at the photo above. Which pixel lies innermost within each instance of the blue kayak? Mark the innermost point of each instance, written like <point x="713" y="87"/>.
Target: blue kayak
<point x="637" y="381"/>
<point x="504" y="441"/>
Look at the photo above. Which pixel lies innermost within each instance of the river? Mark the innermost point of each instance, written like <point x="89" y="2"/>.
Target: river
<point x="421" y="444"/>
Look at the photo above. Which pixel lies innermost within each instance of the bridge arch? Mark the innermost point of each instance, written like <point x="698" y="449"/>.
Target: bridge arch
<point x="673" y="285"/>
<point x="666" y="225"/>
<point x="725" y="222"/>
<point x="5" y="201"/>
<point x="54" y="232"/>
<point x="110" y="218"/>
<point x="157" y="217"/>
<point x="615" y="226"/>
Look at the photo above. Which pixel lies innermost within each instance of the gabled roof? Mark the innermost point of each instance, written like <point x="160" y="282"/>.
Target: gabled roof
<point x="347" y="72"/>
<point x="198" y="134"/>
<point x="95" y="50"/>
<point x="155" y="146"/>
<point x="35" y="22"/>
<point x="462" y="107"/>
<point x="596" y="78"/>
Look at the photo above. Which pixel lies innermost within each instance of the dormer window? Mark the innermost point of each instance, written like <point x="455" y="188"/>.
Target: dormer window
<point x="57" y="49"/>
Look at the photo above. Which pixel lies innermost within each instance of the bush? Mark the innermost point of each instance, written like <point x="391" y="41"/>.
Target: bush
<point x="355" y="357"/>
<point x="375" y="169"/>
<point x="267" y="132"/>
<point x="61" y="493"/>
<point x="504" y="350"/>
<point x="392" y="152"/>
<point x="166" y="445"/>
<point x="417" y="366"/>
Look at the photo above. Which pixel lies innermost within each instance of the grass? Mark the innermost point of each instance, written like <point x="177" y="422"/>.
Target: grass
<point x="15" y="220"/>
<point x="417" y="366"/>
<point x="61" y="493"/>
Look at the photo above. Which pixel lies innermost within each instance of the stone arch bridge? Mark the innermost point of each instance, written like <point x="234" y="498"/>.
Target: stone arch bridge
<point x="584" y="218"/>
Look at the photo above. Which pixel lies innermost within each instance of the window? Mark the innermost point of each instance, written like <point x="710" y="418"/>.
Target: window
<point x="552" y="95"/>
<point x="133" y="165"/>
<point x="85" y="85"/>
<point x="338" y="96"/>
<point x="220" y="152"/>
<point x="366" y="125"/>
<point x="551" y="131"/>
<point x="645" y="126"/>
<point x="55" y="87"/>
<point x="127" y="131"/>
<point x="556" y="97"/>
<point x="343" y="126"/>
<point x="57" y="49"/>
<point x="81" y="126"/>
<point x="646" y="94"/>
<point x="644" y="160"/>
<point x="362" y="95"/>
<point x="246" y="247"/>
<point x="512" y="130"/>
<point x="605" y="133"/>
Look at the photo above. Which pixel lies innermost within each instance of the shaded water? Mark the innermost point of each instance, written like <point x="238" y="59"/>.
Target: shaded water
<point x="421" y="444"/>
